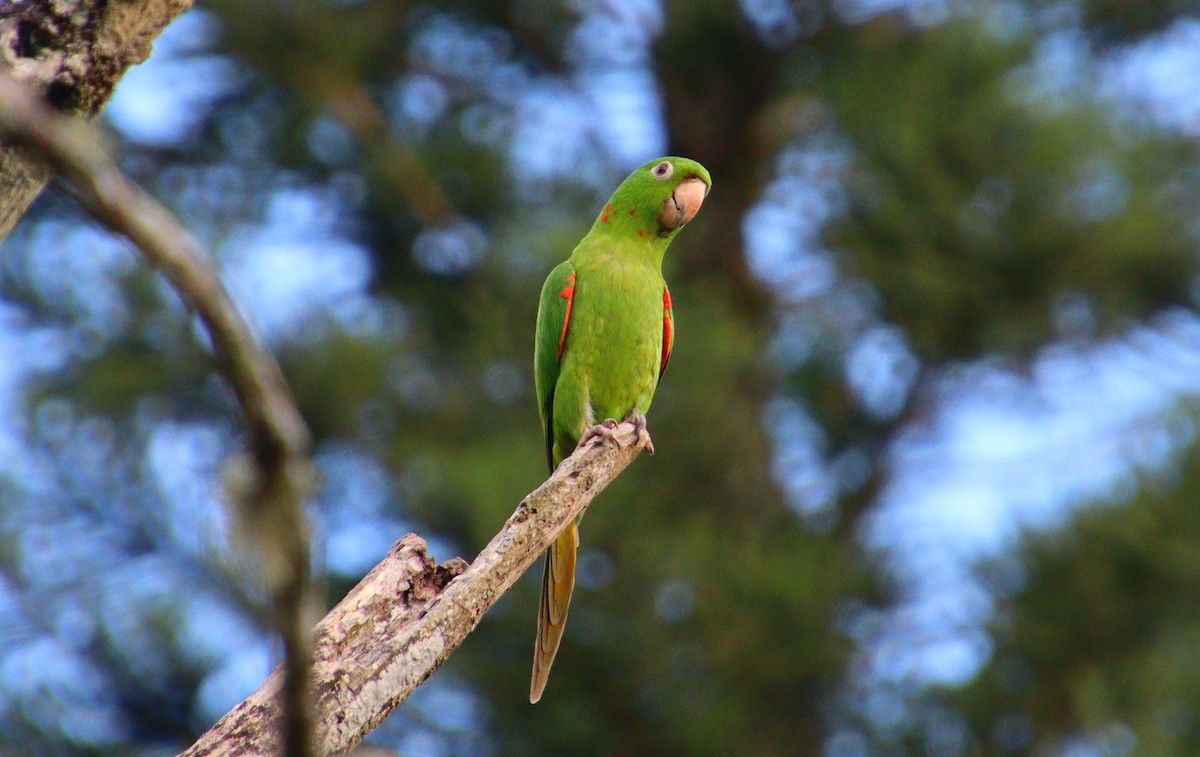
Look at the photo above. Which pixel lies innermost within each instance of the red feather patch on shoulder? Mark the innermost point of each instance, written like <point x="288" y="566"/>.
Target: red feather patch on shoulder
<point x="568" y="294"/>
<point x="668" y="331"/>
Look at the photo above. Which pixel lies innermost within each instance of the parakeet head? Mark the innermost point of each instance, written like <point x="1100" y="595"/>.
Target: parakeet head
<point x="657" y="199"/>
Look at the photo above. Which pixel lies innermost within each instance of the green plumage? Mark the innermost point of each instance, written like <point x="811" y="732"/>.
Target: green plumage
<point x="610" y="363"/>
<point x="604" y="329"/>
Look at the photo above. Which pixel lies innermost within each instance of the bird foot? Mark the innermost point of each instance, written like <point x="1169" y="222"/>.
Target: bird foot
<point x="604" y="432"/>
<point x="643" y="434"/>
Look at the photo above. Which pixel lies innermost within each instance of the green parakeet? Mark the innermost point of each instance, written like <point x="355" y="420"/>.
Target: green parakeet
<point x="604" y="335"/>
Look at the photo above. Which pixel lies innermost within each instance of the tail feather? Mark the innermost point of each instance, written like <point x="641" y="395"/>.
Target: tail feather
<point x="558" y="580"/>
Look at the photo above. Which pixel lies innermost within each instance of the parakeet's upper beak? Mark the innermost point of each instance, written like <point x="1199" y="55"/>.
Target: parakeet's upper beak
<point x="684" y="203"/>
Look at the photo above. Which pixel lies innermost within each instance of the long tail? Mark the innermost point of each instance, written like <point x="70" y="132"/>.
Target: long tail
<point x="558" y="580"/>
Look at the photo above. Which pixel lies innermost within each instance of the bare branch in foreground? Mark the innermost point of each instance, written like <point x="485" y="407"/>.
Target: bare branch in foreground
<point x="271" y="500"/>
<point x="404" y="619"/>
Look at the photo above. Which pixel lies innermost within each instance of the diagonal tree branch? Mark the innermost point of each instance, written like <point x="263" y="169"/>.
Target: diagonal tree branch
<point x="405" y="618"/>
<point x="271" y="494"/>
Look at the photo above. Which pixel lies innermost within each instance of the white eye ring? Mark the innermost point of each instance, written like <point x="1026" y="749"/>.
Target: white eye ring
<point x="663" y="170"/>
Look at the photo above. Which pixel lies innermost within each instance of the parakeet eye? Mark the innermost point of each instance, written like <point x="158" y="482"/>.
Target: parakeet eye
<point x="663" y="170"/>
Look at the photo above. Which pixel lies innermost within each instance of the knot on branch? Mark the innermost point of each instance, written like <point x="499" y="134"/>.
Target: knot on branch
<point x="426" y="577"/>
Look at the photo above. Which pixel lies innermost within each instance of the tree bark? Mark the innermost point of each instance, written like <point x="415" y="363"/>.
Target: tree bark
<point x="408" y="615"/>
<point x="73" y="52"/>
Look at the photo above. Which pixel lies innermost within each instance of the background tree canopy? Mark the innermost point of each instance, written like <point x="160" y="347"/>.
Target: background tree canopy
<point x="927" y="447"/>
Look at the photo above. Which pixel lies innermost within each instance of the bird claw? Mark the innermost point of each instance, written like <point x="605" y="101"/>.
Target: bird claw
<point x="643" y="434"/>
<point x="604" y="432"/>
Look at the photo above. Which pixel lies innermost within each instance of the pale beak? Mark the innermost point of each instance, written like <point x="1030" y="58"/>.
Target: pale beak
<point x="683" y="204"/>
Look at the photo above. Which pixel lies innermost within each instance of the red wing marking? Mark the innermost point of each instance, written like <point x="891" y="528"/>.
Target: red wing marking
<point x="668" y="332"/>
<point x="568" y="294"/>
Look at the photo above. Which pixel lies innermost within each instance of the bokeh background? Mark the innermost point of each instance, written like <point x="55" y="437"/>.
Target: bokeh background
<point x="927" y="459"/>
